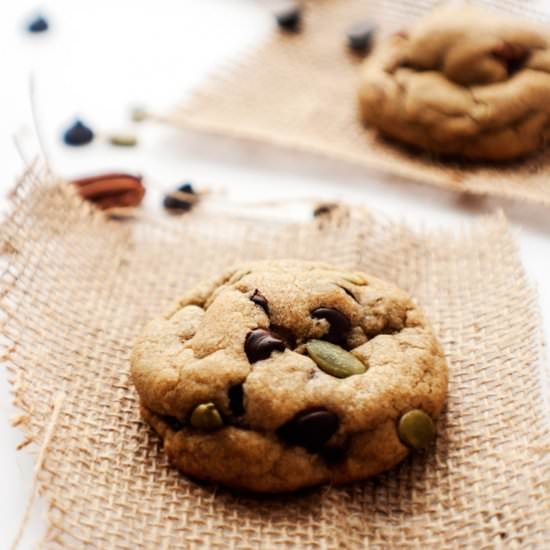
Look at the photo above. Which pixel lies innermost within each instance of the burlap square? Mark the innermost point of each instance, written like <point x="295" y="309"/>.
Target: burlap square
<point x="78" y="287"/>
<point x="299" y="91"/>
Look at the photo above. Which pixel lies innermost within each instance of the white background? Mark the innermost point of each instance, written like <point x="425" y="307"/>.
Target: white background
<point x="102" y="57"/>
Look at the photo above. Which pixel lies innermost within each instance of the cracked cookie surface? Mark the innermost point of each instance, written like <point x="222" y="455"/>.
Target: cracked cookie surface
<point x="463" y="82"/>
<point x="248" y="378"/>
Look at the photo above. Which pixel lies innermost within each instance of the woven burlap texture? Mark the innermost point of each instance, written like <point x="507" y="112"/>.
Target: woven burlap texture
<point x="78" y="287"/>
<point x="300" y="91"/>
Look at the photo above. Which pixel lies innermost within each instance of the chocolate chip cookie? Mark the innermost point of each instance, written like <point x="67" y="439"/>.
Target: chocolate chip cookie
<point x="285" y="374"/>
<point x="463" y="82"/>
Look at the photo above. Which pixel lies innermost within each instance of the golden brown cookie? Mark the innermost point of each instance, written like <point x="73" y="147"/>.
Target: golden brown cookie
<point x="285" y="374"/>
<point x="464" y="82"/>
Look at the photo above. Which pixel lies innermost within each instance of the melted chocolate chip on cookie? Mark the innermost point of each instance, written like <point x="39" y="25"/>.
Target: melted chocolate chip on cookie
<point x="260" y="300"/>
<point x="513" y="56"/>
<point x="285" y="334"/>
<point x="236" y="399"/>
<point x="173" y="423"/>
<point x="310" y="429"/>
<point x="339" y="324"/>
<point x="260" y="343"/>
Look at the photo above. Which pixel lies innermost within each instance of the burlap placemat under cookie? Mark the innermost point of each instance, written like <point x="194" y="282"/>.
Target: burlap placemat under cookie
<point x="77" y="289"/>
<point x="300" y="90"/>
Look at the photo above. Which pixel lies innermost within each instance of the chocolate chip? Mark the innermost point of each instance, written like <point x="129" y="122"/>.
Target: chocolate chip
<point x="38" y="24"/>
<point x="360" y="37"/>
<point x="310" y="429"/>
<point x="236" y="398"/>
<point x="289" y="17"/>
<point x="285" y="334"/>
<point x="260" y="343"/>
<point x="186" y="188"/>
<point x="513" y="56"/>
<point x="340" y="325"/>
<point x="334" y="455"/>
<point x="178" y="203"/>
<point x="260" y="300"/>
<point x="173" y="423"/>
<point x="78" y="134"/>
<point x="324" y="209"/>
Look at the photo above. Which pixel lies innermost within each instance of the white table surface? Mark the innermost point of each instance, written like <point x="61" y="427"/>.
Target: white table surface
<point x="100" y="58"/>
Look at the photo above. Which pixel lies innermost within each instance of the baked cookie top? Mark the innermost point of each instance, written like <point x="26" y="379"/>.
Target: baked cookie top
<point x="464" y="82"/>
<point x="283" y="374"/>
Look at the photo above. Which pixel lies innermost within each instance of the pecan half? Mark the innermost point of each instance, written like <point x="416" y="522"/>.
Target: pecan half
<point x="111" y="190"/>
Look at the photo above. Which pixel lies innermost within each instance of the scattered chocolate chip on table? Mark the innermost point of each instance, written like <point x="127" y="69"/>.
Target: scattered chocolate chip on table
<point x="78" y="134"/>
<point x="38" y="24"/>
<point x="289" y="16"/>
<point x="324" y="209"/>
<point x="360" y="37"/>
<point x="182" y="199"/>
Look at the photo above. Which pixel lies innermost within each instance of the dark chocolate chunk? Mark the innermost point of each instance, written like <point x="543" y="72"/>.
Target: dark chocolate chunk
<point x="324" y="209"/>
<point x="310" y="429"/>
<point x="285" y="334"/>
<point x="186" y="188"/>
<point x="236" y="399"/>
<point x="513" y="56"/>
<point x="360" y="37"/>
<point x="340" y="325"/>
<point x="38" y="24"/>
<point x="173" y="423"/>
<point x="289" y="17"/>
<point x="176" y="203"/>
<point x="260" y="343"/>
<point x="334" y="455"/>
<point x="78" y="134"/>
<point x="260" y="300"/>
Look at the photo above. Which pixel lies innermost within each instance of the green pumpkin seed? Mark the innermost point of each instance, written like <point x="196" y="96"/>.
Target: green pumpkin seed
<point x="333" y="359"/>
<point x="123" y="140"/>
<point x="355" y="278"/>
<point x="206" y="417"/>
<point x="416" y="429"/>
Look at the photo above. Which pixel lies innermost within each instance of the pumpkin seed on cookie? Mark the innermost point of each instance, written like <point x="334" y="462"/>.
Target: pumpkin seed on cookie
<point x="206" y="417"/>
<point x="334" y="360"/>
<point x="416" y="429"/>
